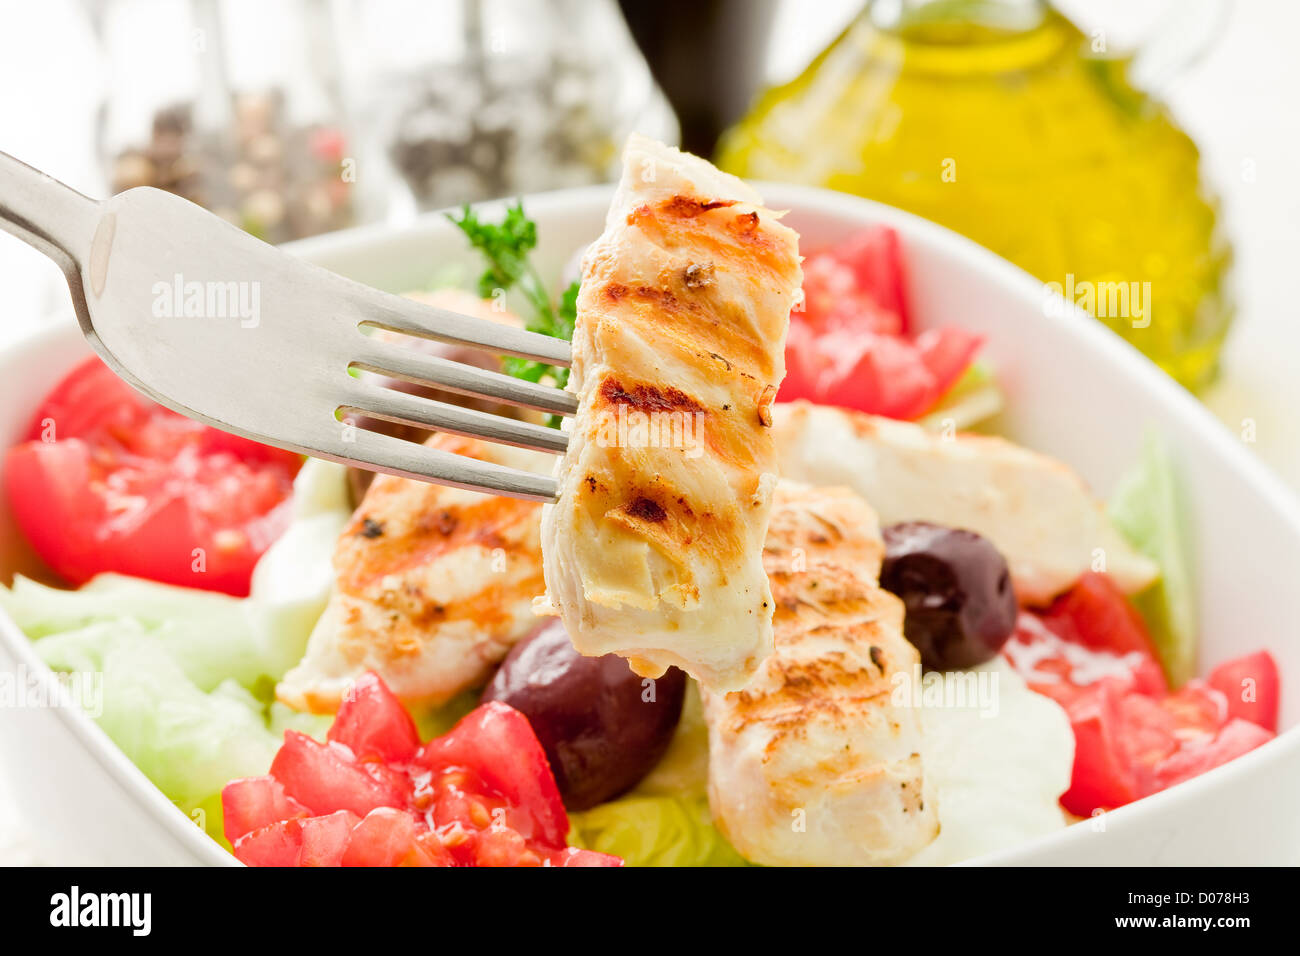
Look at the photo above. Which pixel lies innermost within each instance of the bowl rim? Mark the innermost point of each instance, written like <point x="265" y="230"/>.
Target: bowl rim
<point x="1254" y="475"/>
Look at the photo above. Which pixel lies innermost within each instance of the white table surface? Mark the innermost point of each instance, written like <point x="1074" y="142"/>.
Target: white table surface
<point x="1241" y="104"/>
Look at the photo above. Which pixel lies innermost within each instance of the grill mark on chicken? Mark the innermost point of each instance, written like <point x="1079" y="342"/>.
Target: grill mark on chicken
<point x="647" y="509"/>
<point x="647" y="398"/>
<point x="678" y="315"/>
<point x="688" y="207"/>
<point x="423" y="537"/>
<point x="734" y="235"/>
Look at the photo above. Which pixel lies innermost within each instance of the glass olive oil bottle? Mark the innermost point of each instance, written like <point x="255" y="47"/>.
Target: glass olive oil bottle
<point x="1001" y="121"/>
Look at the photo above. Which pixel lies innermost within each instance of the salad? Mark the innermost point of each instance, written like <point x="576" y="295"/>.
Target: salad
<point x="324" y="669"/>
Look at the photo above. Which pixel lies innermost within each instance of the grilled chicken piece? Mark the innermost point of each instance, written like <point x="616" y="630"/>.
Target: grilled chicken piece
<point x="813" y="763"/>
<point x="433" y="586"/>
<point x="1034" y="509"/>
<point x="652" y="550"/>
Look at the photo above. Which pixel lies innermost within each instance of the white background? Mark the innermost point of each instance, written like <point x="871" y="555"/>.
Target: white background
<point x="1240" y="102"/>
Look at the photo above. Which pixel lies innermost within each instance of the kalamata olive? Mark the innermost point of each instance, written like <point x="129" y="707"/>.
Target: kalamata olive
<point x="956" y="588"/>
<point x="602" y="726"/>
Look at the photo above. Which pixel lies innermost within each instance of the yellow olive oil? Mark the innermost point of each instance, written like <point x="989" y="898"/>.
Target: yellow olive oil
<point x="1014" y="131"/>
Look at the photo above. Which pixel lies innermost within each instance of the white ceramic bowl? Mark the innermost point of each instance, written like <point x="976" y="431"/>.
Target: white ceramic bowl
<point x="1075" y="391"/>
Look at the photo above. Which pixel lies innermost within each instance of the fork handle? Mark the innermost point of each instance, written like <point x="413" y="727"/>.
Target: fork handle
<point x="46" y="214"/>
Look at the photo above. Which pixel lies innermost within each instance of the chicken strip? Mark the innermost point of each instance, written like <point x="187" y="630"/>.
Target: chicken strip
<point x="814" y="763"/>
<point x="433" y="586"/>
<point x="652" y="550"/>
<point x="1034" y="509"/>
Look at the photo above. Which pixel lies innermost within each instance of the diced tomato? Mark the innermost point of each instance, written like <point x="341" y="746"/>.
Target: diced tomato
<point x="1197" y="709"/>
<point x="111" y="481"/>
<point x="459" y="798"/>
<point x="848" y="344"/>
<point x="868" y="267"/>
<point x="573" y="856"/>
<point x="481" y="795"/>
<point x="1149" y="733"/>
<point x="502" y="846"/>
<point x="1102" y="776"/>
<point x="1193" y="759"/>
<point x="429" y="850"/>
<point x="256" y="802"/>
<point x="325" y="838"/>
<point x="372" y="722"/>
<point x="1096" y="614"/>
<point x="868" y="297"/>
<point x="1058" y="667"/>
<point x="386" y="837"/>
<point x="327" y="777"/>
<point x="874" y="373"/>
<point x="277" y="844"/>
<point x="1090" y="652"/>
<point x="1251" y="686"/>
<point x="498" y="744"/>
<point x="88" y="400"/>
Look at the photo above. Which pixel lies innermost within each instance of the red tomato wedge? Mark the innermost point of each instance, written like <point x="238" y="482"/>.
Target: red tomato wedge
<point x="574" y="856"/>
<point x="1196" y="757"/>
<point x="858" y="284"/>
<point x="1251" y="687"/>
<point x="256" y="802"/>
<point x="386" y="837"/>
<point x="326" y="839"/>
<point x="848" y="344"/>
<point x="480" y="795"/>
<point x="328" y="777"/>
<point x="1053" y="661"/>
<point x="497" y="743"/>
<point x="373" y="723"/>
<point x="1095" y="614"/>
<point x="111" y="481"/>
<point x="1091" y="653"/>
<point x="1103" y="776"/>
<point x="276" y="844"/>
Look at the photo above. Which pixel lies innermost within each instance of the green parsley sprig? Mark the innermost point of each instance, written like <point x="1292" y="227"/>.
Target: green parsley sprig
<point x="505" y="247"/>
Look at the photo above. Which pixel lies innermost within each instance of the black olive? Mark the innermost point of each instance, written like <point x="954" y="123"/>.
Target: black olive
<point x="602" y="726"/>
<point x="956" y="589"/>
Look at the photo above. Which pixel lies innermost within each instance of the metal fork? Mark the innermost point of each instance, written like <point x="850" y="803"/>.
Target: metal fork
<point x="228" y="330"/>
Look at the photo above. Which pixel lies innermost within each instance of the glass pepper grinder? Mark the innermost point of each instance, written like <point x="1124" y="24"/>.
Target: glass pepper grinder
<point x="233" y="105"/>
<point x="466" y="100"/>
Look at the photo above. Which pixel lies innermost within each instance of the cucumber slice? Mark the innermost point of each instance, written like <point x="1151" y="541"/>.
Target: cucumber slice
<point x="972" y="399"/>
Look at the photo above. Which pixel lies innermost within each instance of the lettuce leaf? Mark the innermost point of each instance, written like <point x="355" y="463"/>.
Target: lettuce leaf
<point x="211" y="637"/>
<point x="654" y="831"/>
<point x="1147" y="509"/>
<point x="188" y="741"/>
<point x="683" y="771"/>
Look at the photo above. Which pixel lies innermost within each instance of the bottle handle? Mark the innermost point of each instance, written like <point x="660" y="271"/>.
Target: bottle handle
<point x="1181" y="37"/>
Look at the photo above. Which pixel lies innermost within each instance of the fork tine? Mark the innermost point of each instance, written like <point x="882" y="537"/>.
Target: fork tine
<point x="441" y="325"/>
<point x="408" y="459"/>
<point x="374" y="401"/>
<point x="386" y="358"/>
